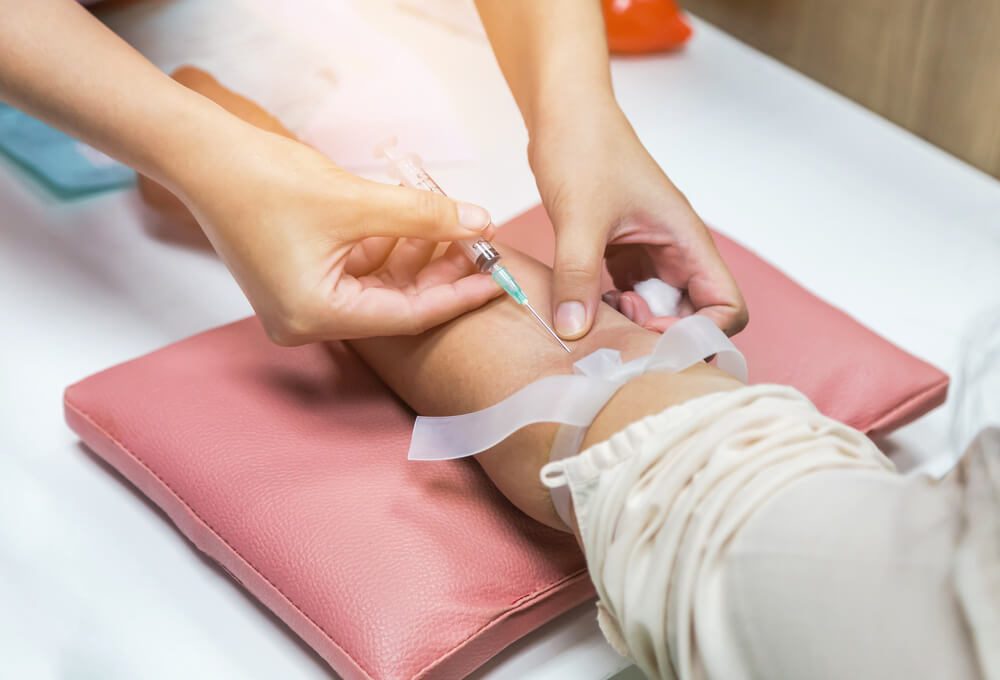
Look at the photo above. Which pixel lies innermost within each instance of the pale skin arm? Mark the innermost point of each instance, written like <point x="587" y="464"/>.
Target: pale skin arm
<point x="486" y="355"/>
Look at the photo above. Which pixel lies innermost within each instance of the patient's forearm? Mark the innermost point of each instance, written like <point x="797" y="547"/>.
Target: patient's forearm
<point x="486" y="355"/>
<point x="483" y="357"/>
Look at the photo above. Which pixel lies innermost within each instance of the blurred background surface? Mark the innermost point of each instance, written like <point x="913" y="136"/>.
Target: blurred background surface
<point x="930" y="66"/>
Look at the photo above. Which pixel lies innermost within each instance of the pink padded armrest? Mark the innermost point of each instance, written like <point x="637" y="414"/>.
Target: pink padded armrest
<point x="288" y="467"/>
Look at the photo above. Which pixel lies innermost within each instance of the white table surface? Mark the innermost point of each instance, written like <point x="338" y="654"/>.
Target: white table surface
<point x="94" y="582"/>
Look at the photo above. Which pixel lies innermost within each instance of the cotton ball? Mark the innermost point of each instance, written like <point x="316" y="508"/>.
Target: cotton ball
<point x="661" y="297"/>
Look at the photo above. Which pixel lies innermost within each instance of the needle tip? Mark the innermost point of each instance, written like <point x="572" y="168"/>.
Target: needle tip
<point x="548" y="328"/>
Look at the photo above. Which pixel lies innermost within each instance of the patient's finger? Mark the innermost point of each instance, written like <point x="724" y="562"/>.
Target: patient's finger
<point x="612" y="298"/>
<point x="637" y="308"/>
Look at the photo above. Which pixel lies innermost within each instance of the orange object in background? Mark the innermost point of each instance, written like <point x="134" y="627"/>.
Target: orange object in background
<point x="640" y="26"/>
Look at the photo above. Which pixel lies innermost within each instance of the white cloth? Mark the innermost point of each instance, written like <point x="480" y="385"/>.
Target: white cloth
<point x="745" y="535"/>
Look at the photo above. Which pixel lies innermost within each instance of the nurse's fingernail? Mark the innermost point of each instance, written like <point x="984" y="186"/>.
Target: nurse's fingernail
<point x="472" y="217"/>
<point x="570" y="318"/>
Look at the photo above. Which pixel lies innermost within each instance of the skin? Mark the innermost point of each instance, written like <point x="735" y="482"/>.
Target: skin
<point x="313" y="246"/>
<point x="302" y="236"/>
<point x="606" y="196"/>
<point x="453" y="368"/>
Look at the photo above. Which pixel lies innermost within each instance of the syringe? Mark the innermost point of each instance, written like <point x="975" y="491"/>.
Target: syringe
<point x="408" y="169"/>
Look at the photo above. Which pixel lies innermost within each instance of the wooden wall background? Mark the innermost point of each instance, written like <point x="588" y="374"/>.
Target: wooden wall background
<point x="931" y="66"/>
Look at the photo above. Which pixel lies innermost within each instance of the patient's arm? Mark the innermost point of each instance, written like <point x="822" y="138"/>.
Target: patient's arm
<point x="484" y="356"/>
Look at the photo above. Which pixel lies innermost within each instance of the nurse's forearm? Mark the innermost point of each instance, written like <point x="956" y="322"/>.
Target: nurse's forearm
<point x="59" y="63"/>
<point x="553" y="54"/>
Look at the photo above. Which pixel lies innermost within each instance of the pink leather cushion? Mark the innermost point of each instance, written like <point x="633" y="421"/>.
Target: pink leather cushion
<point x="288" y="467"/>
<point x="794" y="338"/>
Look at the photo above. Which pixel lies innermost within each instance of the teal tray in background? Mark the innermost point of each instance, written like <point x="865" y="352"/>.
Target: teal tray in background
<point x="66" y="166"/>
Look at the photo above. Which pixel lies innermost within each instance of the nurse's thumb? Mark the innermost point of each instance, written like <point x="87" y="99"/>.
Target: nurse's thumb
<point x="405" y="212"/>
<point x="576" y="282"/>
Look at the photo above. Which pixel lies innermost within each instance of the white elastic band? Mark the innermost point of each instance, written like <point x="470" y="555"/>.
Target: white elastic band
<point x="573" y="400"/>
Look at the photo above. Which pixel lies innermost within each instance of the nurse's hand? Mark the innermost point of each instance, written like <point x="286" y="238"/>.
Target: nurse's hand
<point x="322" y="254"/>
<point x="608" y="198"/>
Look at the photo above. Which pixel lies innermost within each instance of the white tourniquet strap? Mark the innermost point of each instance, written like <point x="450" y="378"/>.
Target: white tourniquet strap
<point x="573" y="400"/>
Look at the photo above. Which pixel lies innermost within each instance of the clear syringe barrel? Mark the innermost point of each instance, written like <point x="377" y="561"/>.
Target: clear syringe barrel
<point x="407" y="169"/>
<point x="410" y="172"/>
